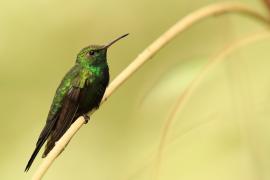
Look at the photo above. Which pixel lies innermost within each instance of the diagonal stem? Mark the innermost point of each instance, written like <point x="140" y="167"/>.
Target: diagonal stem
<point x="150" y="51"/>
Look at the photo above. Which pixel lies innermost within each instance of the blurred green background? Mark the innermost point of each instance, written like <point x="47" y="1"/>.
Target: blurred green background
<point x="221" y="133"/>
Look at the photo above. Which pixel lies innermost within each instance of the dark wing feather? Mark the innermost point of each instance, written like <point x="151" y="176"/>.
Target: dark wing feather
<point x="54" y="114"/>
<point x="66" y="117"/>
<point x="58" y="125"/>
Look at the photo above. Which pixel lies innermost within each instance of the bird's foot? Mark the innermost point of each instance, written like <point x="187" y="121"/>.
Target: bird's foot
<point x="86" y="118"/>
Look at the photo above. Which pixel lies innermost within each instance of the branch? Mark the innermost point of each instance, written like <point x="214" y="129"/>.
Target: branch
<point x="145" y="56"/>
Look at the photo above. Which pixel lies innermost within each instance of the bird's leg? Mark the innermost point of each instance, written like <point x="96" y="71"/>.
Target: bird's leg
<point x="86" y="118"/>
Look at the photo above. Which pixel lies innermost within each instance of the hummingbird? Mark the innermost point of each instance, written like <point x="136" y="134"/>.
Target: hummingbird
<point x="80" y="91"/>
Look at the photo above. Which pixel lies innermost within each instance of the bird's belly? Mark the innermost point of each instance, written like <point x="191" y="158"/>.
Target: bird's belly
<point x="91" y="98"/>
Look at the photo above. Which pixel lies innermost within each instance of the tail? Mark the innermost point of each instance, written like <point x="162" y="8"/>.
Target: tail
<point x="45" y="133"/>
<point x="33" y="156"/>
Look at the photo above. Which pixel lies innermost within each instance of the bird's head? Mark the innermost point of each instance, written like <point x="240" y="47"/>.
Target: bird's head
<point x="95" y="55"/>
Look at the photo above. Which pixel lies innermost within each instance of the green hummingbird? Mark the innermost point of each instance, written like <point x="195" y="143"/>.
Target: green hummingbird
<point x="80" y="91"/>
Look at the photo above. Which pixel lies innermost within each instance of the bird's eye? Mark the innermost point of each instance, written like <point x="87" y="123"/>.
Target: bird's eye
<point x="91" y="52"/>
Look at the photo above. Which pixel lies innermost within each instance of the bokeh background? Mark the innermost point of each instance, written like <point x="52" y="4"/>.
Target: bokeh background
<point x="222" y="132"/>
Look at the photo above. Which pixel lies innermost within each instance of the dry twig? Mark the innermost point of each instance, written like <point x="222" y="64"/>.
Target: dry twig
<point x="145" y="56"/>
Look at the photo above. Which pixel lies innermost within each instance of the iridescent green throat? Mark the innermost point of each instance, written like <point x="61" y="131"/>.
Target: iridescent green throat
<point x="96" y="70"/>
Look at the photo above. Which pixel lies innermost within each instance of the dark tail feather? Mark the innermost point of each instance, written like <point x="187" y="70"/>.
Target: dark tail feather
<point x="33" y="156"/>
<point x="45" y="133"/>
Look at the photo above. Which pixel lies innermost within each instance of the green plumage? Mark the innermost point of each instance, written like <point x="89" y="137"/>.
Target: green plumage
<point x="80" y="91"/>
